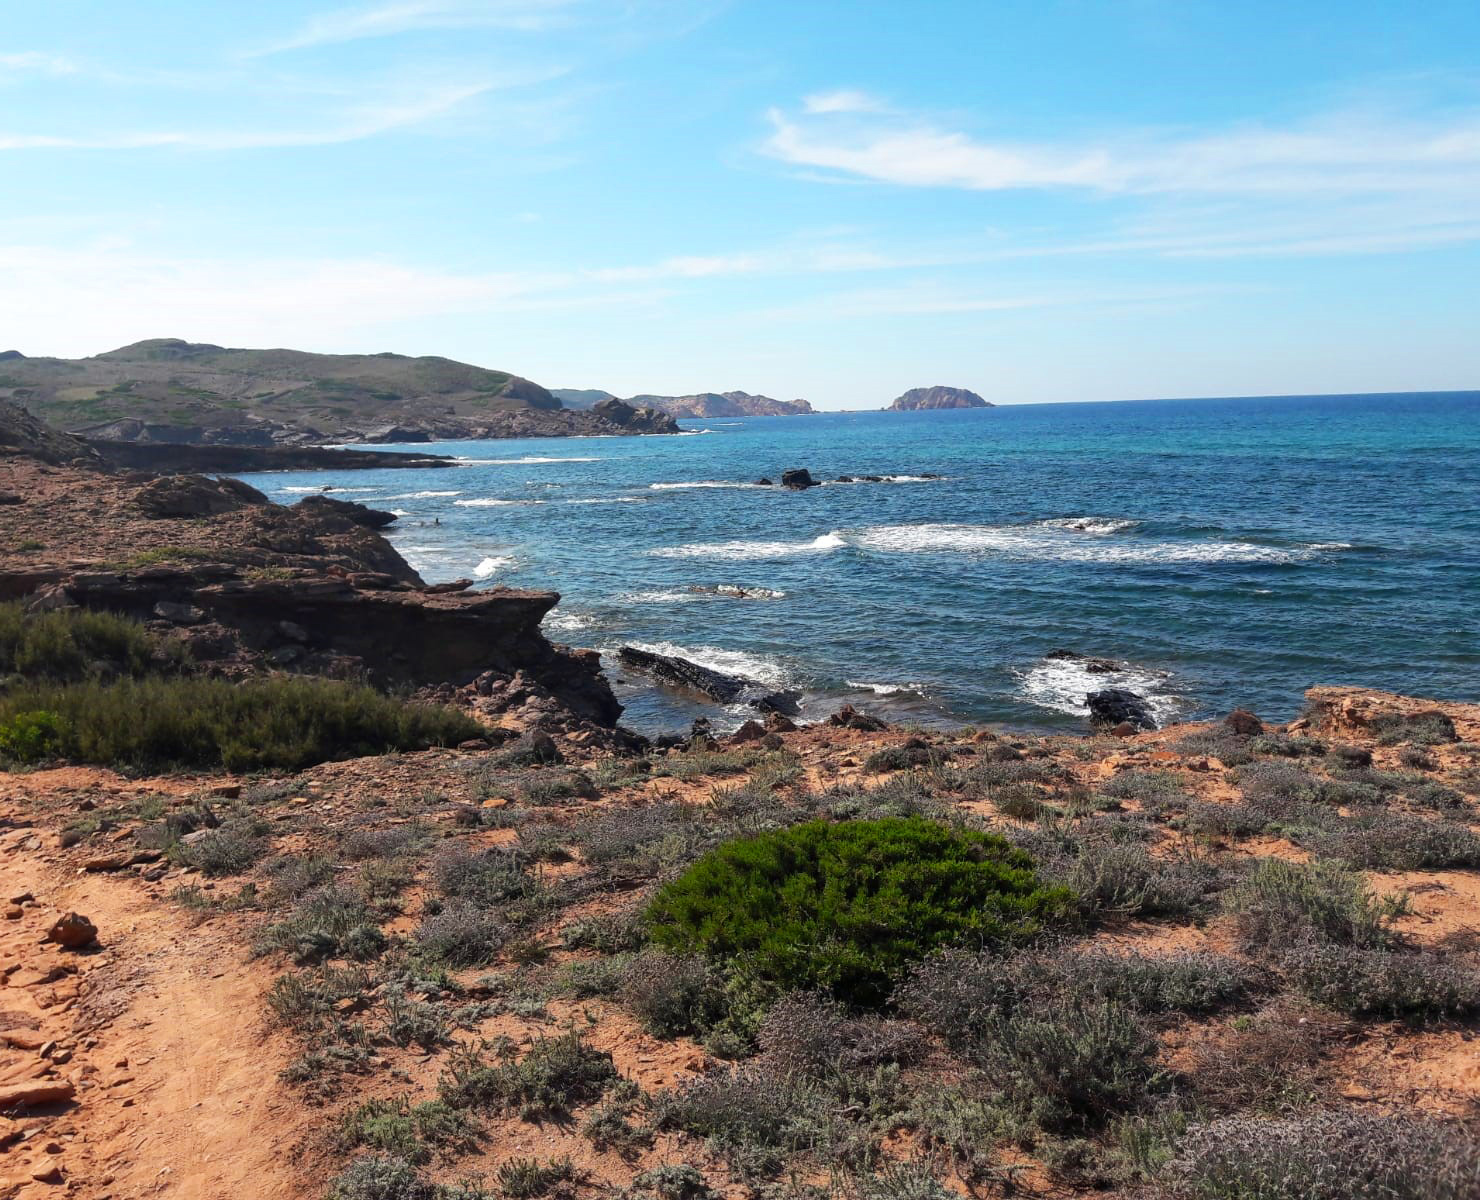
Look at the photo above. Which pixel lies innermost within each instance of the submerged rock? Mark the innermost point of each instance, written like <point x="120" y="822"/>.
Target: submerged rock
<point x="1119" y="706"/>
<point x="715" y="685"/>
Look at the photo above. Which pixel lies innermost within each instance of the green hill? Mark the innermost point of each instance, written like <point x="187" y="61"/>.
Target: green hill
<point x="260" y="395"/>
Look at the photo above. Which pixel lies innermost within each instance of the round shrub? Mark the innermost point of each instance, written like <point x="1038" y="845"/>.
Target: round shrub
<point x="845" y="907"/>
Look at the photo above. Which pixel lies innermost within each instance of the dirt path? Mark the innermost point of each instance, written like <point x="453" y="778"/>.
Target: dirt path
<point x="160" y="1031"/>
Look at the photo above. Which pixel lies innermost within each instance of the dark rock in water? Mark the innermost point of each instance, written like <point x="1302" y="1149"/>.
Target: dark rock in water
<point x="1095" y="666"/>
<point x="716" y="685"/>
<point x="370" y="518"/>
<point x="1119" y="706"/>
<point x="845" y="479"/>
<point x="1243" y="723"/>
<point x="849" y="717"/>
<point x="764" y="482"/>
<point x="870" y="479"/>
<point x="798" y="479"/>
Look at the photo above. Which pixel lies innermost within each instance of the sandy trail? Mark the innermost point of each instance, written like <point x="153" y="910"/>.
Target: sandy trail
<point x="160" y="1031"/>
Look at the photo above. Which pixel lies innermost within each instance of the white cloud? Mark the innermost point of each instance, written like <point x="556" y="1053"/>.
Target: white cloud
<point x="386" y="20"/>
<point x="33" y="63"/>
<point x="843" y="101"/>
<point x="1351" y="153"/>
<point x="351" y="126"/>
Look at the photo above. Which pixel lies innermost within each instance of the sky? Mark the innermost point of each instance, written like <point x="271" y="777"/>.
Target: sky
<point x="1049" y="200"/>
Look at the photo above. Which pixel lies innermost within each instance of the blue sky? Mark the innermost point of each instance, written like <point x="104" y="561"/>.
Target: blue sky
<point x="835" y="200"/>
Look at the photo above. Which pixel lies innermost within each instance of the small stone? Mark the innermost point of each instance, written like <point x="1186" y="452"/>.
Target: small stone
<point x="228" y="791"/>
<point x="22" y="898"/>
<point x="14" y="913"/>
<point x="73" y="931"/>
<point x="1243" y="723"/>
<point x="35" y="1091"/>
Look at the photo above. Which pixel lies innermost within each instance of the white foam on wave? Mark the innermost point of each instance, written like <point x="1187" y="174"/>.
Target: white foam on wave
<point x="422" y="495"/>
<point x="770" y="671"/>
<point x="492" y="502"/>
<point x="560" y="621"/>
<point x="693" y="432"/>
<point x="700" y="483"/>
<point x="491" y="565"/>
<point x="825" y="544"/>
<point x="1061" y="685"/>
<point x="882" y="689"/>
<point x="669" y="596"/>
<point x="399" y="512"/>
<point x="527" y="460"/>
<point x="611" y="500"/>
<point x="1065" y="545"/>
<point x="1096" y="525"/>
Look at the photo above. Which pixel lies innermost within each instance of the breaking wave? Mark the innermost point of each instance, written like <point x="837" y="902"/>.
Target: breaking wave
<point x="1061" y="685"/>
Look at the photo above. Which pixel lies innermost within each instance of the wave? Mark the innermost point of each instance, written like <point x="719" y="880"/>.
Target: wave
<point x="1100" y="525"/>
<point x="698" y="592"/>
<point x="490" y="502"/>
<point x="611" y="500"/>
<point x="700" y="483"/>
<point x="770" y="671"/>
<point x="884" y="689"/>
<point x="421" y="495"/>
<point x="1053" y="543"/>
<point x="527" y="460"/>
<point x="399" y="512"/>
<point x="825" y="544"/>
<point x="492" y="564"/>
<point x="885" y="479"/>
<point x="557" y="621"/>
<point x="693" y="432"/>
<point x="1061" y="685"/>
<point x="669" y="596"/>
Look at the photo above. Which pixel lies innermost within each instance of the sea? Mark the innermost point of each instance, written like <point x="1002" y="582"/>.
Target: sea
<point x="1206" y="553"/>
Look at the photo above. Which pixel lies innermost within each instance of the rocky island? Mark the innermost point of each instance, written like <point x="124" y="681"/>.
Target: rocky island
<point x="917" y="399"/>
<point x="701" y="404"/>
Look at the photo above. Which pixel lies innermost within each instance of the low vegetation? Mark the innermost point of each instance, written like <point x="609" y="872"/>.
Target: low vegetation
<point x="259" y="724"/>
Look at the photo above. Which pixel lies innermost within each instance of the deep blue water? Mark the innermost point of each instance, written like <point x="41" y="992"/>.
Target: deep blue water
<point x="1224" y="552"/>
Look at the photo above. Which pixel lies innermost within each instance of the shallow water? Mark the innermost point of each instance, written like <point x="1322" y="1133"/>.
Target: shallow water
<point x="1222" y="552"/>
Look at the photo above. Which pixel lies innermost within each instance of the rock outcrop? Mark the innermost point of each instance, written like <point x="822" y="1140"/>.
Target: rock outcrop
<point x="1119" y="706"/>
<point x="688" y="676"/>
<point x="182" y="457"/>
<point x="798" y="479"/>
<point x="920" y="398"/>
<point x="365" y="625"/>
<point x="24" y="436"/>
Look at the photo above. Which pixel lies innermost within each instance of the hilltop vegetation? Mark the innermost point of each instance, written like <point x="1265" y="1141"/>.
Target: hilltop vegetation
<point x="257" y="394"/>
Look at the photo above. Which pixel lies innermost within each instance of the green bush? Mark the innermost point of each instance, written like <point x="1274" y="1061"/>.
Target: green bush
<point x="289" y="723"/>
<point x="73" y="645"/>
<point x="846" y="907"/>
<point x="30" y="737"/>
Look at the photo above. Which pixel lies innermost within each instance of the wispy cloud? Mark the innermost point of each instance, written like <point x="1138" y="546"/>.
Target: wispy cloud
<point x="1354" y="152"/>
<point x="844" y="101"/>
<point x="407" y="16"/>
<point x="32" y="62"/>
<point x="350" y="126"/>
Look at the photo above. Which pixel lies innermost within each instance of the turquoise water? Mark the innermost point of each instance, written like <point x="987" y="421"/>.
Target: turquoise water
<point x="1221" y="552"/>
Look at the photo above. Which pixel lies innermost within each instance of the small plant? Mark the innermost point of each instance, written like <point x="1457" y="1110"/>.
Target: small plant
<point x="752" y="1118"/>
<point x="462" y="934"/>
<point x="846" y="907"/>
<point x="557" y="1075"/>
<point x="412" y="1133"/>
<point x="1328" y="1156"/>
<point x="1377" y="981"/>
<point x="526" y="1178"/>
<point x="1416" y="729"/>
<point x="1282" y="904"/>
<point x="327" y="923"/>
<point x="381" y="1177"/>
<point x="1071" y="1064"/>
<point x="671" y="994"/>
<point x="673" y="1181"/>
<point x="228" y="850"/>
